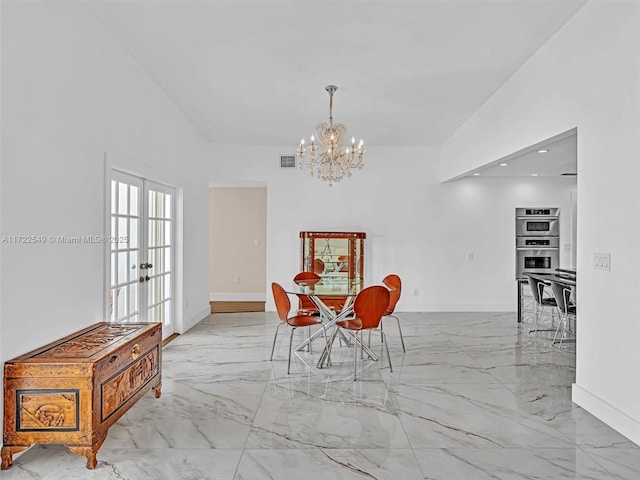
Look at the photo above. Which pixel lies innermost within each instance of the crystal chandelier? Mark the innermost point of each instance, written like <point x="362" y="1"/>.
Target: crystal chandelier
<point x="333" y="161"/>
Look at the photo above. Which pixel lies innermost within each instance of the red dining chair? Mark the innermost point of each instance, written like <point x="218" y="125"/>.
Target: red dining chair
<point x="394" y="284"/>
<point x="305" y="304"/>
<point x="283" y="306"/>
<point x="318" y="266"/>
<point x="368" y="308"/>
<point x="343" y="263"/>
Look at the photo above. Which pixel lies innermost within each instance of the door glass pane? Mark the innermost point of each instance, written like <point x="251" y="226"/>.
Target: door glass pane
<point x="157" y="260"/>
<point x="167" y="287"/>
<point x="167" y="206"/>
<point x="161" y="238"/>
<point x="114" y="232"/>
<point x="167" y="233"/>
<point x="122" y="302"/>
<point x="152" y="204"/>
<point x="133" y="233"/>
<point x="123" y="231"/>
<point x="133" y="298"/>
<point x="133" y="201"/>
<point x="160" y="200"/>
<point x="112" y="303"/>
<point x="114" y="271"/>
<point x="151" y="241"/>
<point x="151" y="285"/>
<point x="167" y="259"/>
<point x="122" y="198"/>
<point x="114" y="197"/>
<point x="122" y="267"/>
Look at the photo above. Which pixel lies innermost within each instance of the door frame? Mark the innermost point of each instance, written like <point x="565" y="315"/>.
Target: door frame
<point x="115" y="162"/>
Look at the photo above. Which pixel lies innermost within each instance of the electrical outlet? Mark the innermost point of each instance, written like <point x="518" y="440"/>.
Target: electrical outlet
<point x="415" y="292"/>
<point x="602" y="261"/>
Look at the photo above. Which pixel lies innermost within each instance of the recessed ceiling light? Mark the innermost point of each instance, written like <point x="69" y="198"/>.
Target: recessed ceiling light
<point x="534" y="174"/>
<point x="504" y="164"/>
<point x="543" y="150"/>
<point x="476" y="174"/>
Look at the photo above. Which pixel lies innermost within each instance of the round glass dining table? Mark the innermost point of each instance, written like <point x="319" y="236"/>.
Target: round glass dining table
<point x="320" y="292"/>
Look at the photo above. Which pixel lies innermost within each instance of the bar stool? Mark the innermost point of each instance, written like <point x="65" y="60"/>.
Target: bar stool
<point x="541" y="302"/>
<point x="567" y="311"/>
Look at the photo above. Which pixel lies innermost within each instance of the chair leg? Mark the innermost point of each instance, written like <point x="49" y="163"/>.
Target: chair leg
<point x="560" y="324"/>
<point x="534" y="329"/>
<point x="326" y="342"/>
<point x="386" y="344"/>
<point x="355" y="356"/>
<point x="274" y="341"/>
<point x="399" y="330"/>
<point x="309" y="330"/>
<point x="290" y="343"/>
<point x="563" y="334"/>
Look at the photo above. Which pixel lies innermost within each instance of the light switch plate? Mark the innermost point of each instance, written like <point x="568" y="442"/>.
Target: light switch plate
<point x="602" y="261"/>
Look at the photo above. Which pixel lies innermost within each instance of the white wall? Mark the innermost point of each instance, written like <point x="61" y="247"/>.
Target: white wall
<point x="69" y="94"/>
<point x="416" y="226"/>
<point x="587" y="76"/>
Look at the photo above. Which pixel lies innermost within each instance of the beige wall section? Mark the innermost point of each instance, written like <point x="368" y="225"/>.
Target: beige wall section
<point x="237" y="251"/>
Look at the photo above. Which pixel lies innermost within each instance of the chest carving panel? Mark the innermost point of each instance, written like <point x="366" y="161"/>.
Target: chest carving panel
<point x="119" y="388"/>
<point x="47" y="410"/>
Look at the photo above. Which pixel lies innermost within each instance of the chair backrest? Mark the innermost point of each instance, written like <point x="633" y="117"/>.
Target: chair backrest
<point x="306" y="276"/>
<point x="283" y="304"/>
<point x="562" y="294"/>
<point x="536" y="288"/>
<point x="394" y="284"/>
<point x="343" y="263"/>
<point x="370" y="305"/>
<point x="318" y="266"/>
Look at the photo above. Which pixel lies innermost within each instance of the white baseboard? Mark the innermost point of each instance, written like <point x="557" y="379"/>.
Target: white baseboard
<point x="450" y="307"/>
<point x="601" y="409"/>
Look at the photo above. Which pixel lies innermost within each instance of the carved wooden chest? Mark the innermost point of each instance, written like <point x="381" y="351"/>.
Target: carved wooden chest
<point x="71" y="391"/>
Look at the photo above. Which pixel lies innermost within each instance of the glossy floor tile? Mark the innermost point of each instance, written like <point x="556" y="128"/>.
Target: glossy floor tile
<point x="475" y="396"/>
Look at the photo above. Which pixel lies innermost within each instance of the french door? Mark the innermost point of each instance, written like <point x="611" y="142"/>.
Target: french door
<point x="141" y="287"/>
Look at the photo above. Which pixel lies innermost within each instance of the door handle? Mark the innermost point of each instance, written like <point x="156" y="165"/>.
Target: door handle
<point x="146" y="265"/>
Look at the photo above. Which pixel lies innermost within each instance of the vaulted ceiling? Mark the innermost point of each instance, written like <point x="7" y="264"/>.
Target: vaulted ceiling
<point x="408" y="72"/>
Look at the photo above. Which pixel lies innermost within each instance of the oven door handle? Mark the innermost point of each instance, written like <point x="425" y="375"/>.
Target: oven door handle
<point x="550" y="249"/>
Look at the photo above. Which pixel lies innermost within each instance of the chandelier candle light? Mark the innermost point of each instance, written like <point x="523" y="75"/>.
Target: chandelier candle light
<point x="332" y="162"/>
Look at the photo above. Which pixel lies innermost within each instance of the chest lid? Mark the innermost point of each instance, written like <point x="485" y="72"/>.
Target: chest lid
<point x="87" y="345"/>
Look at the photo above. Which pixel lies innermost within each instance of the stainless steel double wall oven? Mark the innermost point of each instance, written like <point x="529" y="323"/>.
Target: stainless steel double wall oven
<point x="537" y="240"/>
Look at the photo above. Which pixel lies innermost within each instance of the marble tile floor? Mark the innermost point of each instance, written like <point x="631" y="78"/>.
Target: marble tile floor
<point x="474" y="397"/>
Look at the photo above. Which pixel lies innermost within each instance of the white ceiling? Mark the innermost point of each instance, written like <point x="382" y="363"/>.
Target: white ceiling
<point x="408" y="72"/>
